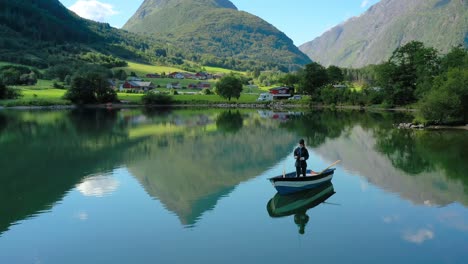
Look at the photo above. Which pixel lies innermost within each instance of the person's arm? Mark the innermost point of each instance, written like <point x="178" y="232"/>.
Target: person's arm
<point x="305" y="154"/>
<point x="295" y="155"/>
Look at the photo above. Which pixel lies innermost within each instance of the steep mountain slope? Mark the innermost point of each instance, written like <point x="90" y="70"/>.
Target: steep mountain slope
<point x="214" y="31"/>
<point x="41" y="32"/>
<point x="372" y="37"/>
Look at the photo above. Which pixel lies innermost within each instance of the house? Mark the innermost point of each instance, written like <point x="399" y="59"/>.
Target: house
<point x="281" y="92"/>
<point x="175" y="85"/>
<point x="135" y="79"/>
<point x="153" y="75"/>
<point x="340" y="86"/>
<point x="176" y="75"/>
<point x="203" y="85"/>
<point x="192" y="86"/>
<point x="137" y="85"/>
<point x="189" y="75"/>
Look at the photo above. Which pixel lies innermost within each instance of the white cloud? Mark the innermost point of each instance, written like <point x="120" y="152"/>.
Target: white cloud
<point x="365" y="3"/>
<point x="419" y="236"/>
<point x="94" y="10"/>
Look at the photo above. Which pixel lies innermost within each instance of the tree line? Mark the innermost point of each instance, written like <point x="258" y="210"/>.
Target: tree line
<point x="414" y="76"/>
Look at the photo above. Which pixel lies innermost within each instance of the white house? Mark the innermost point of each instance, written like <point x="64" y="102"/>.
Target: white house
<point x="173" y="86"/>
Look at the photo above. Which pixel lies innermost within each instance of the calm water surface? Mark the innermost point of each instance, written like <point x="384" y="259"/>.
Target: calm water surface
<point x="132" y="186"/>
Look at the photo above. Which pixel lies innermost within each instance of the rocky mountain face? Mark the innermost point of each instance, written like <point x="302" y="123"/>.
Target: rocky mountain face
<point x="372" y="37"/>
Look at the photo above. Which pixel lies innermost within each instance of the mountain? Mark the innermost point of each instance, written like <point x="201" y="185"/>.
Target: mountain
<point x="44" y="32"/>
<point x="372" y="37"/>
<point x="216" y="33"/>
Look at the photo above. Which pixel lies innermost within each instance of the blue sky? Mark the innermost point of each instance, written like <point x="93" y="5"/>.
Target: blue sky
<point x="301" y="20"/>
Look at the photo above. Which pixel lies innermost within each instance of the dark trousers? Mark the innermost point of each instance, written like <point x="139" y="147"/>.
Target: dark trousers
<point x="301" y="170"/>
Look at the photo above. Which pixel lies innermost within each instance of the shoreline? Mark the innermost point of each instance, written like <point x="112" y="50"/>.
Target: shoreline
<point x="215" y="105"/>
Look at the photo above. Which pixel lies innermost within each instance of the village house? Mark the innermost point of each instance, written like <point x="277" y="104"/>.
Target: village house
<point x="153" y="75"/>
<point x="189" y="76"/>
<point x="137" y="86"/>
<point x="340" y="86"/>
<point x="134" y="79"/>
<point x="200" y="85"/>
<point x="281" y="92"/>
<point x="176" y="75"/>
<point x="175" y="85"/>
<point x="203" y="85"/>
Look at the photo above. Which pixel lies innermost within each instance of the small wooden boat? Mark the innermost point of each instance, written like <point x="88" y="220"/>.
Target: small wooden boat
<point x="289" y="183"/>
<point x="300" y="202"/>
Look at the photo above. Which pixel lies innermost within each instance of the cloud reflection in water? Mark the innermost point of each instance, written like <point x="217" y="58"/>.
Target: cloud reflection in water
<point x="98" y="186"/>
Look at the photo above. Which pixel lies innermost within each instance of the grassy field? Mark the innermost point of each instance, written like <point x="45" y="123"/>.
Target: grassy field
<point x="143" y="69"/>
<point x="38" y="97"/>
<point x="184" y="83"/>
<point x="221" y="70"/>
<point x="44" y="95"/>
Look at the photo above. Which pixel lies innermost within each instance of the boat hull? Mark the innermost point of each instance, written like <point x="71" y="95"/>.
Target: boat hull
<point x="291" y="184"/>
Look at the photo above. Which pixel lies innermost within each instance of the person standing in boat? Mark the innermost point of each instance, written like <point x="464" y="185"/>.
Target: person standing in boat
<point x="301" y="155"/>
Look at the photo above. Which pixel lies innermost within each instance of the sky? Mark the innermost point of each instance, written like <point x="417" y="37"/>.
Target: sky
<point x="301" y="20"/>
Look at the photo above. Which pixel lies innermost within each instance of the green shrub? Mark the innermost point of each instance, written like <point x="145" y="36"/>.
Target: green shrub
<point x="57" y="85"/>
<point x="157" y="99"/>
<point x="8" y="93"/>
<point x="89" y="89"/>
<point x="207" y="91"/>
<point x="448" y="99"/>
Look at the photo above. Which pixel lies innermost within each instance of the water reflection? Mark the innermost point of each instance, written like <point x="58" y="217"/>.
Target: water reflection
<point x="191" y="159"/>
<point x="3" y="122"/>
<point x="190" y="170"/>
<point x="47" y="153"/>
<point x="98" y="186"/>
<point x="405" y="162"/>
<point x="230" y="121"/>
<point x="299" y="203"/>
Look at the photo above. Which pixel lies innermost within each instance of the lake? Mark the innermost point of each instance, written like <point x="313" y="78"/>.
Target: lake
<point x="190" y="186"/>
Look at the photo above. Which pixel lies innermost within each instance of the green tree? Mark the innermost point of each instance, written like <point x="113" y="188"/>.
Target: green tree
<point x="410" y="66"/>
<point x="121" y="75"/>
<point x="314" y="77"/>
<point x="89" y="89"/>
<point x="8" y="93"/>
<point x="448" y="100"/>
<point x="456" y="58"/>
<point x="335" y="74"/>
<point x="229" y="86"/>
<point x="290" y="79"/>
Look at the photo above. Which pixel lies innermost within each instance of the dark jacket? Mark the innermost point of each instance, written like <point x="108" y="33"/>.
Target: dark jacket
<point x="301" y="152"/>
